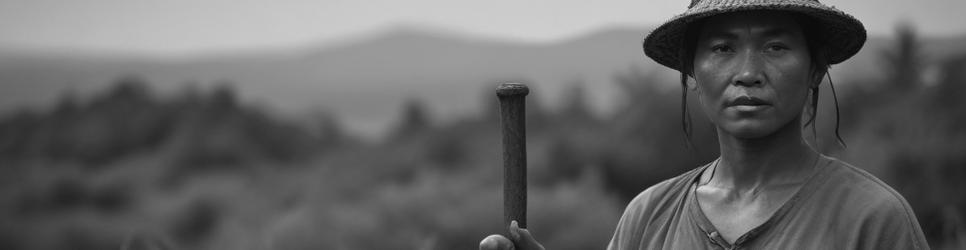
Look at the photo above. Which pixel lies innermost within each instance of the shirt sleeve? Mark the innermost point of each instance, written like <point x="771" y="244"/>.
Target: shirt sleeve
<point x="880" y="218"/>
<point x="632" y="227"/>
<point x="628" y="232"/>
<point x="891" y="225"/>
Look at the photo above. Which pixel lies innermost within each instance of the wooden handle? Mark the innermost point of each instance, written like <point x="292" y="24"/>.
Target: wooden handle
<point x="512" y="118"/>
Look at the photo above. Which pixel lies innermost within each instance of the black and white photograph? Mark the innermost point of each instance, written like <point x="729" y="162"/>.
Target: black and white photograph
<point x="490" y="125"/>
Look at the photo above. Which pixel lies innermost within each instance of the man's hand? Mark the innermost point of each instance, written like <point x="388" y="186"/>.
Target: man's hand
<point x="520" y="239"/>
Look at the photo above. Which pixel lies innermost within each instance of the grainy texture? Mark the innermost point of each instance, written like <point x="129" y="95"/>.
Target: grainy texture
<point x="512" y="98"/>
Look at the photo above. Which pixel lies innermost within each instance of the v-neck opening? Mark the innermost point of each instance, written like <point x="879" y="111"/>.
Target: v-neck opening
<point x="712" y="232"/>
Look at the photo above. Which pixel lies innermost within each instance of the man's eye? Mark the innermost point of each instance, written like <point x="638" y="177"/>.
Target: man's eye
<point x="777" y="47"/>
<point x="721" y="49"/>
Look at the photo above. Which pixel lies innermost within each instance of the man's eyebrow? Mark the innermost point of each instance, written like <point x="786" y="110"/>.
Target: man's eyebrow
<point x="723" y="34"/>
<point x="776" y="32"/>
<point x="735" y="33"/>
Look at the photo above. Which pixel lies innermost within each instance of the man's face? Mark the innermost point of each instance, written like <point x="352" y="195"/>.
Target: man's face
<point x="751" y="72"/>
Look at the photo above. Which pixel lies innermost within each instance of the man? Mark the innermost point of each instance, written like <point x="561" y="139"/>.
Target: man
<point x="756" y="66"/>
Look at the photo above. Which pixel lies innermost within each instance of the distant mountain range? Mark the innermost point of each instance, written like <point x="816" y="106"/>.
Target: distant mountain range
<point x="365" y="82"/>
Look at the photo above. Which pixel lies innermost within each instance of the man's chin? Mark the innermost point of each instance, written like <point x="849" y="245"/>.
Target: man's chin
<point x="748" y="130"/>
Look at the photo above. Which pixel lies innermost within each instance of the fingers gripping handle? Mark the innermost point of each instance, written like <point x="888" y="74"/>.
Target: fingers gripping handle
<point x="512" y="118"/>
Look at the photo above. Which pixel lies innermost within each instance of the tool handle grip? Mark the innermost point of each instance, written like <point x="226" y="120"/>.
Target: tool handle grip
<point x="512" y="118"/>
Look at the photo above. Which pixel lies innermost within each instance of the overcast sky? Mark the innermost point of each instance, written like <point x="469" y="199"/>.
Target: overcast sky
<point x="184" y="27"/>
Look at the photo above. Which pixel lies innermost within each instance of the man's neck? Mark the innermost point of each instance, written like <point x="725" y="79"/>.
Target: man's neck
<point x="753" y="164"/>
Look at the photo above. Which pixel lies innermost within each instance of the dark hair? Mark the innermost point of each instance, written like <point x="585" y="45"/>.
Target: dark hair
<point x="818" y="68"/>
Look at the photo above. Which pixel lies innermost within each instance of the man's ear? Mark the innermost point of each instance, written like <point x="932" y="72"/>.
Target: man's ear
<point x="692" y="84"/>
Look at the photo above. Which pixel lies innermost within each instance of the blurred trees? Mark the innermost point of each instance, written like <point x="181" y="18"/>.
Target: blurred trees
<point x="108" y="156"/>
<point x="121" y="121"/>
<point x="128" y="119"/>
<point x="414" y="119"/>
<point x="575" y="107"/>
<point x="903" y="60"/>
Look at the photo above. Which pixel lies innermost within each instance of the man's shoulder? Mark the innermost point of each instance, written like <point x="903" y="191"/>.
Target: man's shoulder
<point x="656" y="202"/>
<point x="861" y="186"/>
<point x="863" y="201"/>
<point x="664" y="192"/>
<point x="862" y="197"/>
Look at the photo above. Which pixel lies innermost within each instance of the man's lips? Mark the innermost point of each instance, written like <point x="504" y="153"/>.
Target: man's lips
<point x="747" y="101"/>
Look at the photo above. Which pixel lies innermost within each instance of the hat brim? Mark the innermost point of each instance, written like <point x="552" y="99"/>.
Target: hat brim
<point x="842" y="34"/>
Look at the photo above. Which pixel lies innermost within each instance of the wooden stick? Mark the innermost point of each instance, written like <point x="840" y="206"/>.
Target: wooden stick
<point x="512" y="118"/>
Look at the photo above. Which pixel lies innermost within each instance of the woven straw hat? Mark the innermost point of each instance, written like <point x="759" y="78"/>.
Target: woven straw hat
<point x="842" y="34"/>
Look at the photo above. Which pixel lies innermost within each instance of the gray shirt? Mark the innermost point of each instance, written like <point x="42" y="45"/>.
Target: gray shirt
<point x="839" y="207"/>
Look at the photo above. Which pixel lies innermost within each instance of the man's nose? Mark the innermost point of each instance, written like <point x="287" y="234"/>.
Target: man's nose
<point x="750" y="70"/>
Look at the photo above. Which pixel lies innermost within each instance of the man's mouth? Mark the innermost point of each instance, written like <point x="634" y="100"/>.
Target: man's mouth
<point x="748" y="101"/>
